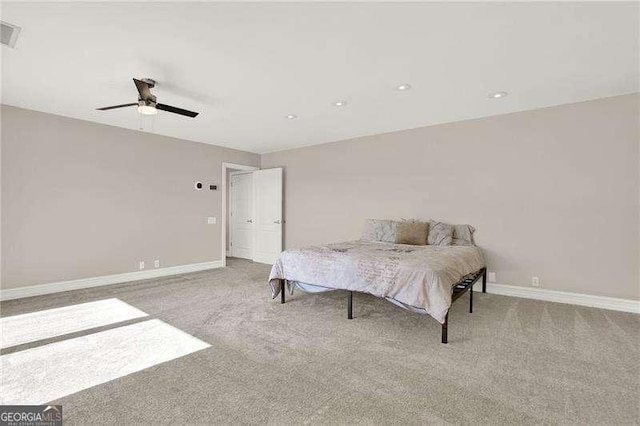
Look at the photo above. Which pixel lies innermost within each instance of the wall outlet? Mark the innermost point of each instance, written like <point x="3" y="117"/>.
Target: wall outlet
<point x="535" y="281"/>
<point x="492" y="277"/>
<point x="141" y="265"/>
<point x="156" y="263"/>
<point x="211" y="220"/>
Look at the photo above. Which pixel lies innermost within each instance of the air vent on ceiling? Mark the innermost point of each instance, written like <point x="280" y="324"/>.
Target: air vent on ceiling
<point x="9" y="34"/>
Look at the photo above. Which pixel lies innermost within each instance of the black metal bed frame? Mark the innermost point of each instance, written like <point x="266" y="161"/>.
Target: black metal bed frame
<point x="464" y="285"/>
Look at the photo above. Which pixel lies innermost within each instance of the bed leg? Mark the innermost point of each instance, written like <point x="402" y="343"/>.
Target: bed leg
<point x="484" y="280"/>
<point x="471" y="299"/>
<point x="350" y="306"/>
<point x="281" y="291"/>
<point x="444" y="328"/>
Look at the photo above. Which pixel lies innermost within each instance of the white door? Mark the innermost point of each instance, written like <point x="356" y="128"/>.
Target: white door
<point x="241" y="220"/>
<point x="267" y="186"/>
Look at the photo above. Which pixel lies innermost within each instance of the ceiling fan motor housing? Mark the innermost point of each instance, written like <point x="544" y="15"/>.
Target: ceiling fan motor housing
<point x="147" y="102"/>
<point x="151" y="82"/>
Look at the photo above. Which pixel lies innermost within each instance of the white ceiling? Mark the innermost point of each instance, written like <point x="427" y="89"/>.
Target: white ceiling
<point x="244" y="66"/>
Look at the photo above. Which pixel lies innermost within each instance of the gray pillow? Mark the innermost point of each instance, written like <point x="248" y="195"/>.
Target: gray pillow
<point x="380" y="230"/>
<point x="463" y="235"/>
<point x="414" y="233"/>
<point x="440" y="234"/>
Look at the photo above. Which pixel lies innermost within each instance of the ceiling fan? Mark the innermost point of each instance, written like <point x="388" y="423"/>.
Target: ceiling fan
<point x="147" y="104"/>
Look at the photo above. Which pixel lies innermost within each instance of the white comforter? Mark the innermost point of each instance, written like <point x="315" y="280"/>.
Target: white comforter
<point x="416" y="276"/>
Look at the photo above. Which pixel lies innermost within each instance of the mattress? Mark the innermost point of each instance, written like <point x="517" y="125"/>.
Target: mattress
<point x="420" y="278"/>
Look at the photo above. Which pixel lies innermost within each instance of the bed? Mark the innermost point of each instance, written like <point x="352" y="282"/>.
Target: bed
<point x="424" y="279"/>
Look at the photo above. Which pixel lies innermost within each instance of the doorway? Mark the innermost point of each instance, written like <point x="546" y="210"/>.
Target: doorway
<point x="241" y="214"/>
<point x="252" y="213"/>
<point x="227" y="170"/>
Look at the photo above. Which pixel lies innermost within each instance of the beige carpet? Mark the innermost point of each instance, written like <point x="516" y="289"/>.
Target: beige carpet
<point x="511" y="361"/>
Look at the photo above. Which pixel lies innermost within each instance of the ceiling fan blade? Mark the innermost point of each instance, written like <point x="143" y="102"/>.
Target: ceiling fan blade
<point x="175" y="110"/>
<point x="143" y="89"/>
<point x="116" y="106"/>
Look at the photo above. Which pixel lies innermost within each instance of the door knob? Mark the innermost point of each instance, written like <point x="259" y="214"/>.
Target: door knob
<point x="276" y="221"/>
<point x="250" y="221"/>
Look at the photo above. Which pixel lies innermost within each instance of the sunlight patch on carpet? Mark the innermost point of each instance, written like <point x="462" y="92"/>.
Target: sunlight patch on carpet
<point x="46" y="373"/>
<point x="34" y="326"/>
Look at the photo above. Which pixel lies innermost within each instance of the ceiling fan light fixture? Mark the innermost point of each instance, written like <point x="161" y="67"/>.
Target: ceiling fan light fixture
<point x="147" y="110"/>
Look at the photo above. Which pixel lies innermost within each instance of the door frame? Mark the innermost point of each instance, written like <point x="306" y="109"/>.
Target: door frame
<point x="225" y="208"/>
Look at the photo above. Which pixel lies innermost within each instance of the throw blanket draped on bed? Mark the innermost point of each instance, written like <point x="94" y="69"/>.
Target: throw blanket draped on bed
<point x="417" y="276"/>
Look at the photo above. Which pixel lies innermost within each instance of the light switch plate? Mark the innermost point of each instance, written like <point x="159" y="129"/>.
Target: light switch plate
<point x="211" y="220"/>
<point x="492" y="277"/>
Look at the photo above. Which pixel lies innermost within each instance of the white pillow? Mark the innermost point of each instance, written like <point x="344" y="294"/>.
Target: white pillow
<point x="380" y="230"/>
<point x="463" y="235"/>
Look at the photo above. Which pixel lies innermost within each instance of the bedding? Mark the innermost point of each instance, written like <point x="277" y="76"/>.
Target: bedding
<point x="440" y="234"/>
<point x="420" y="278"/>
<point x="463" y="235"/>
<point x="380" y="230"/>
<point x="414" y="233"/>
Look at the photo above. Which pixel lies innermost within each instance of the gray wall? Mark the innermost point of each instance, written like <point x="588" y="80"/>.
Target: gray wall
<point x="553" y="192"/>
<point x="81" y="199"/>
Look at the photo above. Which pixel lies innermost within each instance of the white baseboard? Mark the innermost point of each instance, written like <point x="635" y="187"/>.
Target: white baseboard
<point x="36" y="290"/>
<point x="624" y="305"/>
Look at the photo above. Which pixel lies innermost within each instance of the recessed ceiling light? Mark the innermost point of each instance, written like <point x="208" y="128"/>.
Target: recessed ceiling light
<point x="498" y="95"/>
<point x="340" y="103"/>
<point x="291" y="117"/>
<point x="403" y="87"/>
